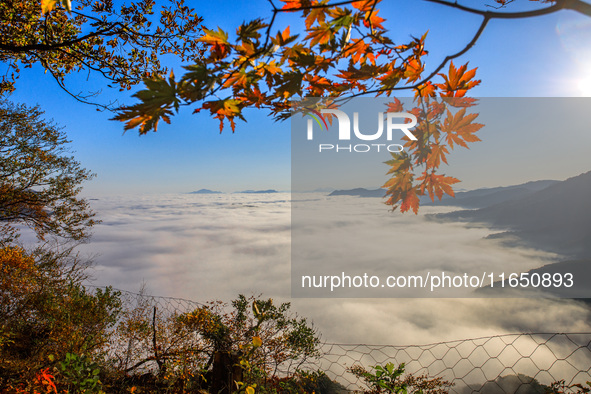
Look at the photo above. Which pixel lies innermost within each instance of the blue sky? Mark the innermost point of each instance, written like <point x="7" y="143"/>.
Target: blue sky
<point x="538" y="57"/>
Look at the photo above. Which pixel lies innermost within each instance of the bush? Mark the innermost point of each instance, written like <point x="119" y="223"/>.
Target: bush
<point x="219" y="347"/>
<point x="391" y="379"/>
<point x="80" y="374"/>
<point x="46" y="313"/>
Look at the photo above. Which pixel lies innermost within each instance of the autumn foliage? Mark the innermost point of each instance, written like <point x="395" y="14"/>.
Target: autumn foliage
<point x="118" y="44"/>
<point x="443" y="124"/>
<point x="342" y="51"/>
<point x="39" y="179"/>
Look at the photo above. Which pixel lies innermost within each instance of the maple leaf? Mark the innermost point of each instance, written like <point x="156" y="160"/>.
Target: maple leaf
<point x="458" y="80"/>
<point x="320" y="35"/>
<point x="409" y="200"/>
<point x="365" y="5"/>
<point x="355" y="50"/>
<point x="425" y="90"/>
<point x="283" y="38"/>
<point x="224" y="109"/>
<point x="237" y="80"/>
<point x="372" y="20"/>
<point x="294" y="4"/>
<point x="460" y="128"/>
<point x="156" y="104"/>
<point x="400" y="188"/>
<point x="214" y="37"/>
<point x="437" y="155"/>
<point x="316" y="15"/>
<point x="436" y="109"/>
<point x="413" y="70"/>
<point x="391" y="77"/>
<point x="255" y="96"/>
<point x="248" y="31"/>
<point x="292" y="84"/>
<point x="269" y="68"/>
<point x="395" y="106"/>
<point x="48" y="5"/>
<point x="318" y="85"/>
<point x="46" y="379"/>
<point x="400" y="182"/>
<point x="437" y="185"/>
<point x="218" y="42"/>
<point x="400" y="162"/>
<point x="247" y="50"/>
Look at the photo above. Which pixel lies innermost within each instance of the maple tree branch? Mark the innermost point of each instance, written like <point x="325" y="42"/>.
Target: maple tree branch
<point x="457" y="54"/>
<point x="313" y="6"/>
<point x="50" y="47"/>
<point x="368" y="18"/>
<point x="110" y="30"/>
<point x="437" y="69"/>
<point x="501" y="5"/>
<point x="268" y="32"/>
<point x="579" y="6"/>
<point x="78" y="97"/>
<point x="125" y="28"/>
<point x="576" y="5"/>
<point x="90" y="67"/>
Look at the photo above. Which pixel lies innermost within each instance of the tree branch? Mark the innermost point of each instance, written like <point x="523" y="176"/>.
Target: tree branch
<point x="576" y="5"/>
<point x="437" y="69"/>
<point x="50" y="47"/>
<point x="579" y="6"/>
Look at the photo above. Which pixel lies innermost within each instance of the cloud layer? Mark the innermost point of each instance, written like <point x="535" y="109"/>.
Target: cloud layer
<point x="205" y="247"/>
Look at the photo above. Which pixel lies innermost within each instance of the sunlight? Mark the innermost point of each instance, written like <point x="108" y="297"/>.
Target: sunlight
<point x="574" y="33"/>
<point x="584" y="86"/>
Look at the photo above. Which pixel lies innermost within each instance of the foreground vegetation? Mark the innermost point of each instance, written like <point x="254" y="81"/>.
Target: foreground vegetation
<point x="56" y="336"/>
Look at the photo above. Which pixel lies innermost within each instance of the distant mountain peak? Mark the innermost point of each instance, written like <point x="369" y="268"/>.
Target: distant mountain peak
<point x="359" y="192"/>
<point x="259" y="191"/>
<point x="205" y="191"/>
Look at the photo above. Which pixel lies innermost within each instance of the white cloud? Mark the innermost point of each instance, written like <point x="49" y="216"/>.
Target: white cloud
<point x="215" y="247"/>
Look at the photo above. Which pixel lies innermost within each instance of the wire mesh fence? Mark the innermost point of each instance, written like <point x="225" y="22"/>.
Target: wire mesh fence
<point x="512" y="363"/>
<point x="504" y="364"/>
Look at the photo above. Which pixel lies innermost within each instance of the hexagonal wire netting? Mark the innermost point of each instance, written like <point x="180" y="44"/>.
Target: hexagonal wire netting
<point x="510" y="363"/>
<point x="499" y="364"/>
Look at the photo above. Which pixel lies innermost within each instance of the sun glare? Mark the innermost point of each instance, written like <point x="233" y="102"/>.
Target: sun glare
<point x="584" y="86"/>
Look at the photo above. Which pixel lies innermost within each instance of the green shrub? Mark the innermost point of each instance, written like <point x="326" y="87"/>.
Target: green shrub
<point x="80" y="374"/>
<point x="391" y="379"/>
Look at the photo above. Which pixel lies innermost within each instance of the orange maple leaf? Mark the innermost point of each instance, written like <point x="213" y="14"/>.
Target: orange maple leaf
<point x="437" y="185"/>
<point x="373" y="20"/>
<point x="460" y="128"/>
<point x="365" y="5"/>
<point x="458" y="80"/>
<point x="316" y="15"/>
<point x="320" y="35"/>
<point x="414" y="69"/>
<point x="409" y="200"/>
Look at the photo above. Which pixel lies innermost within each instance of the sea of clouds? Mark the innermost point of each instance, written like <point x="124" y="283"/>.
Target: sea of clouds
<point x="206" y="247"/>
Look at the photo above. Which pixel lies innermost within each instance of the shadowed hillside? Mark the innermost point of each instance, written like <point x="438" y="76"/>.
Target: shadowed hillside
<point x="557" y="218"/>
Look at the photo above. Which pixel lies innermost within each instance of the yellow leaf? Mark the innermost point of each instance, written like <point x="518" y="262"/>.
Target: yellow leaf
<point x="47" y="5"/>
<point x="249" y="390"/>
<point x="257" y="341"/>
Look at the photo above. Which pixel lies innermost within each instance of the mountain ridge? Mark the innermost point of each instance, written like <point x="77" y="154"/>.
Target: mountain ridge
<point x="556" y="218"/>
